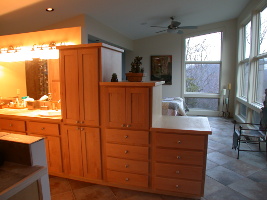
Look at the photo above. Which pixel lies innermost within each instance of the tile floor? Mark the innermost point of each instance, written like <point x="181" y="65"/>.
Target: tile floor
<point x="227" y="178"/>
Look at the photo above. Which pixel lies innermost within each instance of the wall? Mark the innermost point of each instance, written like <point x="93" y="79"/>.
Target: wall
<point x="94" y="28"/>
<point x="172" y="44"/>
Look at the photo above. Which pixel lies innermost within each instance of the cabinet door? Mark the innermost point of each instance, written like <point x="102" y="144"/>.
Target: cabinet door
<point x="137" y="107"/>
<point x="53" y="152"/>
<point x="72" y="150"/>
<point x="69" y="72"/>
<point x="88" y="86"/>
<point x="91" y="152"/>
<point x="114" y="107"/>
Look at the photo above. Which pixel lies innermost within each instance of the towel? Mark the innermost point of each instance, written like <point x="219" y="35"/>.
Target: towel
<point x="235" y="139"/>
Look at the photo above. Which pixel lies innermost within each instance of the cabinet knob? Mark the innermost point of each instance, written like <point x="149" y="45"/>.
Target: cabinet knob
<point x="123" y="125"/>
<point x="177" y="186"/>
<point x="82" y="122"/>
<point x="10" y="124"/>
<point x="78" y="128"/>
<point x="179" y="142"/>
<point x="126" y="151"/>
<point x="127" y="179"/>
<point x="82" y="129"/>
<point x="177" y="172"/>
<point x="178" y="157"/>
<point x="128" y="125"/>
<point x="126" y="166"/>
<point x="43" y="128"/>
<point x="77" y="122"/>
<point x="126" y="136"/>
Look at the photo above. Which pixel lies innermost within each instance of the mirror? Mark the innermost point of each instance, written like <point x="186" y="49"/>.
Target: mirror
<point x="30" y="78"/>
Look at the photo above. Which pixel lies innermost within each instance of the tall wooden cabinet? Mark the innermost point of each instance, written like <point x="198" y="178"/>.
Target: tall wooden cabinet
<point x="82" y="67"/>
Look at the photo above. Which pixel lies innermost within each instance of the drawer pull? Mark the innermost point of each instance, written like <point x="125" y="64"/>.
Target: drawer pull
<point x="179" y="142"/>
<point x="126" y="166"/>
<point x="177" y="172"/>
<point x="43" y="128"/>
<point x="178" y="157"/>
<point x="82" y="129"/>
<point x="127" y="179"/>
<point x="77" y="122"/>
<point x="126" y="151"/>
<point x="177" y="186"/>
<point x="123" y="125"/>
<point x="78" y="128"/>
<point x="126" y="136"/>
<point x="128" y="125"/>
<point x="10" y="125"/>
<point x="82" y="122"/>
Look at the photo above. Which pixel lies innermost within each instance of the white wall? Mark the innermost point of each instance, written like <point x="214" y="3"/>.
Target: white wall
<point x="172" y="44"/>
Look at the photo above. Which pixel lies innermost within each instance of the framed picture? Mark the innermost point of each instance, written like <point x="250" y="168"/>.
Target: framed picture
<point x="161" y="69"/>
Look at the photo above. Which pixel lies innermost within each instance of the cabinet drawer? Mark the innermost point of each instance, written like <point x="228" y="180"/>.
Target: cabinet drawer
<point x="12" y="125"/>
<point x="180" y="141"/>
<point x="127" y="136"/>
<point x="127" y="178"/>
<point x="179" y="156"/>
<point x="43" y="128"/>
<point x="127" y="151"/>
<point x="177" y="185"/>
<point x="178" y="171"/>
<point x="132" y="166"/>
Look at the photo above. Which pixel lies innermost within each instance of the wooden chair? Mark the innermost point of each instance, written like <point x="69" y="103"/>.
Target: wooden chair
<point x="248" y="133"/>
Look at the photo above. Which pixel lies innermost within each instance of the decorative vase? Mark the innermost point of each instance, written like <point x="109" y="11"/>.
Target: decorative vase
<point x="134" y="77"/>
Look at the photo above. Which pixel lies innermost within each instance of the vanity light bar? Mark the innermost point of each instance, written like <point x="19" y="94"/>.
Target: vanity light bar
<point x="44" y="51"/>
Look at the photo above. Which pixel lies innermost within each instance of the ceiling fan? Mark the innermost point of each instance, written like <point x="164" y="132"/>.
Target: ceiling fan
<point x="174" y="27"/>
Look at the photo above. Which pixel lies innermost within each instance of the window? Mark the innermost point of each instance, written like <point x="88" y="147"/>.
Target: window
<point x="263" y="30"/>
<point x="261" y="80"/>
<point x="247" y="40"/>
<point x="202" y="71"/>
<point x="245" y="73"/>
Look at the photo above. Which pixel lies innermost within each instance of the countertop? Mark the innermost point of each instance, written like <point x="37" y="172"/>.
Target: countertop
<point x="22" y="113"/>
<point x="182" y="124"/>
<point x="14" y="177"/>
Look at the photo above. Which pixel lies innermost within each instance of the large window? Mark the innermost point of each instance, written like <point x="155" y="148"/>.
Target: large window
<point x="252" y="67"/>
<point x="202" y="71"/>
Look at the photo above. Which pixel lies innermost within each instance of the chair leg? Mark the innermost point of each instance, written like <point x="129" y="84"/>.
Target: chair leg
<point x="238" y="147"/>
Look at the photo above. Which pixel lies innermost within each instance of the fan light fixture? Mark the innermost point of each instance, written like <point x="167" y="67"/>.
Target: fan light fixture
<point x="49" y="9"/>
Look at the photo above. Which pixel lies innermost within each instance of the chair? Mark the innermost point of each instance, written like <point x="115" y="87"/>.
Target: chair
<point x="248" y="133"/>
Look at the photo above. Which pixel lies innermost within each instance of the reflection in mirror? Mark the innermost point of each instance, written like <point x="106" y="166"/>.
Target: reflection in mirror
<point x="36" y="78"/>
<point x="41" y="76"/>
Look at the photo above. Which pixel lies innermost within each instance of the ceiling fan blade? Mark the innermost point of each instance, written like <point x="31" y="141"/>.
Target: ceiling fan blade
<point x="160" y="31"/>
<point x="159" y="26"/>
<point x="187" y="27"/>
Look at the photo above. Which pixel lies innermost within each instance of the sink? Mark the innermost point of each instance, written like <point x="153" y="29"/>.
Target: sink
<point x="50" y="113"/>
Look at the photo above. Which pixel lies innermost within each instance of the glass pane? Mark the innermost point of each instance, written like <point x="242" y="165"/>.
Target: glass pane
<point x="262" y="80"/>
<point x="256" y="117"/>
<point x="247" y="38"/>
<point x="243" y="110"/>
<point x="202" y="103"/>
<point x="263" y="31"/>
<point x="204" y="48"/>
<point x="245" y="73"/>
<point x="202" y="78"/>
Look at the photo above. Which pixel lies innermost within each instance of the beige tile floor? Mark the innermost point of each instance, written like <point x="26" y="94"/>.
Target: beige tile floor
<point x="227" y="178"/>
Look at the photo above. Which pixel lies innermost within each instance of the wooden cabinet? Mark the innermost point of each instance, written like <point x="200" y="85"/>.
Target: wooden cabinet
<point x="51" y="133"/>
<point x="126" y="107"/>
<point x="79" y="80"/>
<point x="13" y="126"/>
<point x="81" y="69"/>
<point x="179" y="162"/>
<point x="81" y="152"/>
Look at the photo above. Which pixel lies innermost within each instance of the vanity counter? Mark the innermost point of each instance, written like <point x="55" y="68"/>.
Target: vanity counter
<point x="30" y="114"/>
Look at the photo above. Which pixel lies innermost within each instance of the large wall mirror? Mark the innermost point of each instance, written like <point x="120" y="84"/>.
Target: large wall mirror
<point x="30" y="78"/>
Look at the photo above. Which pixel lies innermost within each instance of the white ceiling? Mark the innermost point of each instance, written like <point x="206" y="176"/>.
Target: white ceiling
<point x="131" y="18"/>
